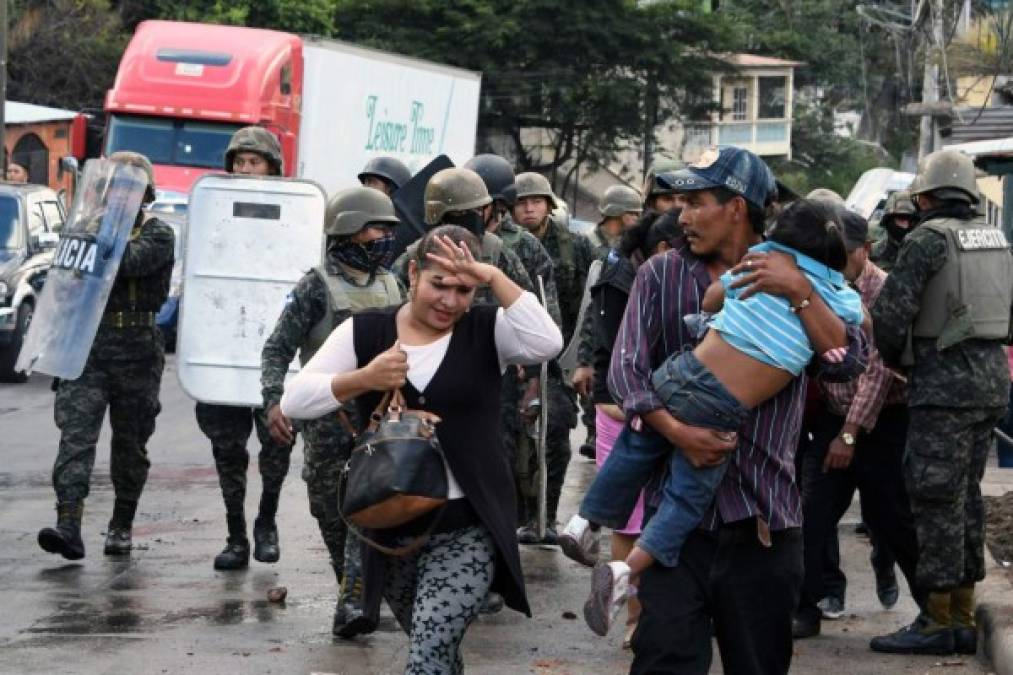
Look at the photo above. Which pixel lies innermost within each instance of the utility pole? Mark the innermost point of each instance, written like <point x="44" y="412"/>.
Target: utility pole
<point x="928" y="138"/>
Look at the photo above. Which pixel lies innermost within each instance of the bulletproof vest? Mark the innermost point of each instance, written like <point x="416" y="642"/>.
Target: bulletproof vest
<point x="144" y="293"/>
<point x="970" y="297"/>
<point x="566" y="266"/>
<point x="344" y="298"/>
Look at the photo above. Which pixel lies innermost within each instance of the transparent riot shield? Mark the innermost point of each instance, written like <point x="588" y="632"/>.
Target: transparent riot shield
<point x="248" y="242"/>
<point x="85" y="264"/>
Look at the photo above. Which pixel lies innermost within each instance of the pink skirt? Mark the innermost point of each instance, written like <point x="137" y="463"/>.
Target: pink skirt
<point x="608" y="431"/>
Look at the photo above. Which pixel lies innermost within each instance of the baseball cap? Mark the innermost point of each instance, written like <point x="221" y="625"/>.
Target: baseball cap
<point x="726" y="166"/>
<point x="854" y="229"/>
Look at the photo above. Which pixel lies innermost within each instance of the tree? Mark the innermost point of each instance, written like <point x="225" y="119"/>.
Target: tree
<point x="297" y="16"/>
<point x="592" y="76"/>
<point x="63" y="53"/>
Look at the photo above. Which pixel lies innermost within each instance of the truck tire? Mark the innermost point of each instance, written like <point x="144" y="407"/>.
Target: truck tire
<point x="9" y="354"/>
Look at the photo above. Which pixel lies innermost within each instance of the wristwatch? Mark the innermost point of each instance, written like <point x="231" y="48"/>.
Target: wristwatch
<point x="849" y="439"/>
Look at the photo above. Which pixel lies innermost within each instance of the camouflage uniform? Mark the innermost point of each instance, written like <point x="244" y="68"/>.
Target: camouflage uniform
<point x="956" y="397"/>
<point x="326" y="444"/>
<point x="123" y="372"/>
<point x="572" y="256"/>
<point x="884" y="253"/>
<point x="228" y="428"/>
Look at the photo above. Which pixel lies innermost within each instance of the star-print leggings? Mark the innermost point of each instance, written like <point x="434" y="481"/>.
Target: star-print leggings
<point x="436" y="593"/>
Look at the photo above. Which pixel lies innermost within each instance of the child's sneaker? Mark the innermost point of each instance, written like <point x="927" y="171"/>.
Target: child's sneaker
<point x="579" y="542"/>
<point x="610" y="587"/>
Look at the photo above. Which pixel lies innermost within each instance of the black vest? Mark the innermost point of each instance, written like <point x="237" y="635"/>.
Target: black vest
<point x="465" y="393"/>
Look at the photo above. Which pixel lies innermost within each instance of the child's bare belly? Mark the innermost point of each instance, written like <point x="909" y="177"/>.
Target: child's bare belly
<point x="748" y="380"/>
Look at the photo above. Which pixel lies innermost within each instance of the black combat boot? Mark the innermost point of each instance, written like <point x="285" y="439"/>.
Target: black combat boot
<point x="236" y="554"/>
<point x="931" y="632"/>
<point x="118" y="539"/>
<point x="265" y="531"/>
<point x="349" y="614"/>
<point x="65" y="538"/>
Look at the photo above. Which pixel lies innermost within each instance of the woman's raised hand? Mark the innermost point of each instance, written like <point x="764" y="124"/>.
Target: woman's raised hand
<point x="458" y="260"/>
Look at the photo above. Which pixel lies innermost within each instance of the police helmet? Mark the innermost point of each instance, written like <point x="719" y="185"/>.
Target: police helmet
<point x="141" y="162"/>
<point x="259" y="140"/>
<point x="947" y="174"/>
<point x="620" y="199"/>
<point x="348" y="211"/>
<point x="496" y="173"/>
<point x="388" y="169"/>
<point x="659" y="166"/>
<point x="531" y="184"/>
<point x="453" y="189"/>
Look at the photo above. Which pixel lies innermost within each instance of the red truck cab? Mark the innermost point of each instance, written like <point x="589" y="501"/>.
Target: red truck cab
<point x="183" y="89"/>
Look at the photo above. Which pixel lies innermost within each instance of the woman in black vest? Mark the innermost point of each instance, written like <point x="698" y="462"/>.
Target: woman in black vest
<point x="448" y="357"/>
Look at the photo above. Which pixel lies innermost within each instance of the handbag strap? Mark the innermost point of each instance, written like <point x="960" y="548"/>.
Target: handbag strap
<point x="397" y="551"/>
<point x="392" y="402"/>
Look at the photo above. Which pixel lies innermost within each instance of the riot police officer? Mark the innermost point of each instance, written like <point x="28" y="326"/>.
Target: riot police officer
<point x="572" y="256"/>
<point x="620" y="208"/>
<point x="385" y="174"/>
<point x="944" y="313"/>
<point x="898" y="219"/>
<point x="123" y="373"/>
<point x="359" y="229"/>
<point x="252" y="151"/>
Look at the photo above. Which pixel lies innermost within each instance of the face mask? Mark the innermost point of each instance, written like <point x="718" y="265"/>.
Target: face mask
<point x="895" y="231"/>
<point x="365" y="257"/>
<point x="469" y="220"/>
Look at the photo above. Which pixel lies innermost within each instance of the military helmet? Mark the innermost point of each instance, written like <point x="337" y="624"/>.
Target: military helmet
<point x="620" y="199"/>
<point x="454" y="189"/>
<point x="348" y="211"/>
<point x="496" y="173"/>
<point x="531" y="184"/>
<point x="899" y="204"/>
<point x="142" y="163"/>
<point x="388" y="169"/>
<point x="659" y="166"/>
<point x="825" y="195"/>
<point x="259" y="140"/>
<point x="947" y="174"/>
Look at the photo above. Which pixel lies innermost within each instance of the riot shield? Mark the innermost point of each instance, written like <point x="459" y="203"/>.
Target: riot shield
<point x="85" y="264"/>
<point x="568" y="359"/>
<point x="248" y="241"/>
<point x="543" y="434"/>
<point x="410" y="204"/>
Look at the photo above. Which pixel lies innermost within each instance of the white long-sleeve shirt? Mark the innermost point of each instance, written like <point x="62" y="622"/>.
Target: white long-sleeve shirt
<point x="524" y="333"/>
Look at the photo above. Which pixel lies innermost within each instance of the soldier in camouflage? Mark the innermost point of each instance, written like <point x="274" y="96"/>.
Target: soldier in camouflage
<point x="123" y="373"/>
<point x="899" y="217"/>
<point x="660" y="196"/>
<point x="944" y="313"/>
<point x="620" y="208"/>
<point x="498" y="176"/>
<point x="359" y="229"/>
<point x="252" y="151"/>
<point x="572" y="256"/>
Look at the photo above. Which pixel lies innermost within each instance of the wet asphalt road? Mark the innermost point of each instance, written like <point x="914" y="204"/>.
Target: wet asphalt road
<point x="165" y="610"/>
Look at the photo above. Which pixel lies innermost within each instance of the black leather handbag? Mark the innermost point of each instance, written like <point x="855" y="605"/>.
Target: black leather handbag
<point x="395" y="474"/>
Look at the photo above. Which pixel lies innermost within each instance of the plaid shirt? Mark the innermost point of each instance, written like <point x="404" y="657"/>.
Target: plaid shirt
<point x="860" y="400"/>
<point x="760" y="480"/>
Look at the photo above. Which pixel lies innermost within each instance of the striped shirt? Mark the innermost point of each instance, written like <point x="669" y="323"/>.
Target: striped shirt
<point x="860" y="400"/>
<point x="760" y="480"/>
<point x="764" y="328"/>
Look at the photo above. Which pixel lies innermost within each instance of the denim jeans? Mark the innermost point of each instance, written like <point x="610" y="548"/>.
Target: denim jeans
<point x="694" y="396"/>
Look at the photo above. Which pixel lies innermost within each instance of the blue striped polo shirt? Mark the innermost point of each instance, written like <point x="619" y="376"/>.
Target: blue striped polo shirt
<point x="763" y="327"/>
